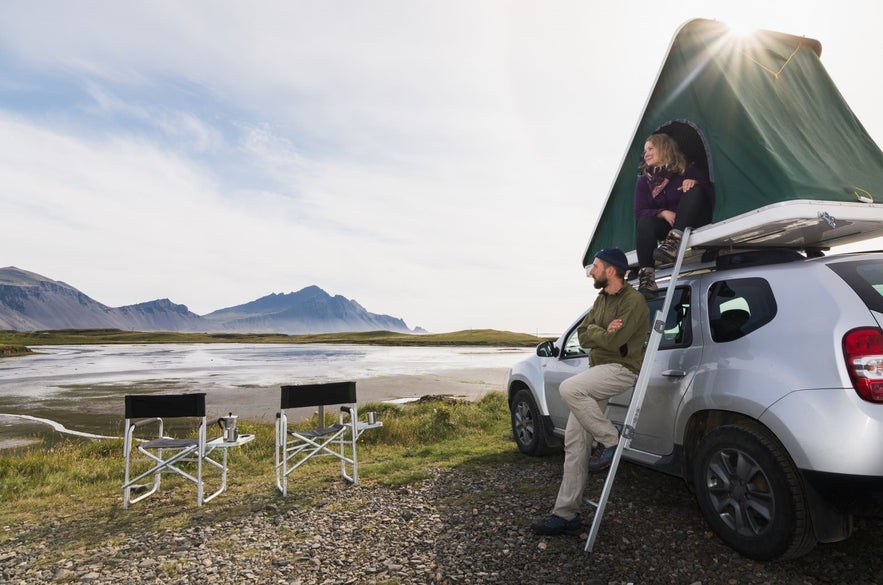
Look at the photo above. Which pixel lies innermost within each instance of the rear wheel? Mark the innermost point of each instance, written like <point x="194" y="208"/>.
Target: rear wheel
<point x="750" y="493"/>
<point x="527" y="424"/>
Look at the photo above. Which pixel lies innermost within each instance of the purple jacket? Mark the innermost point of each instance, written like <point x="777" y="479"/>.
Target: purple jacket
<point x="669" y="198"/>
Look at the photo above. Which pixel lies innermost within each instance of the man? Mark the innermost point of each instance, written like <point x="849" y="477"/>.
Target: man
<point x="615" y="330"/>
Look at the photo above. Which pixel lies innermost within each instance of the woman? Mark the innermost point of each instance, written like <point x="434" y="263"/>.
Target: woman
<point x="669" y="196"/>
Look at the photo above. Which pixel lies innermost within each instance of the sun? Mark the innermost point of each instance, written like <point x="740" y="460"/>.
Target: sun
<point x="741" y="27"/>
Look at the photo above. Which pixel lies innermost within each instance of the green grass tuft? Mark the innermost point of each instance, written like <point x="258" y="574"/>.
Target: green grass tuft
<point x="11" y="350"/>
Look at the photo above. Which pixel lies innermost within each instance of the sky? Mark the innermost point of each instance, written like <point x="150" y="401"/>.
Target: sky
<point x="442" y="162"/>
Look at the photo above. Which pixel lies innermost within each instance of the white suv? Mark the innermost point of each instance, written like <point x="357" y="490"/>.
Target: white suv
<point x="766" y="396"/>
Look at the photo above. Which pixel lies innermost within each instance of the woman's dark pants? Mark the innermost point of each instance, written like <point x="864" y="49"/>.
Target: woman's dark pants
<point x="694" y="211"/>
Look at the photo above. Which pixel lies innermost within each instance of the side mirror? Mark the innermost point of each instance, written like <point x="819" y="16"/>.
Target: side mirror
<point x="547" y="349"/>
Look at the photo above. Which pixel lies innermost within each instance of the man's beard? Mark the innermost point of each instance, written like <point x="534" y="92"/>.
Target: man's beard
<point x="601" y="283"/>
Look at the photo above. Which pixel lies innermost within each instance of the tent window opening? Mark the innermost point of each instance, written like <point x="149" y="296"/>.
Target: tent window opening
<point x="691" y="142"/>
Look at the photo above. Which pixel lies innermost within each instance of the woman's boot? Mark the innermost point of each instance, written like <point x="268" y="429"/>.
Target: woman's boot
<point x="647" y="283"/>
<point x="668" y="249"/>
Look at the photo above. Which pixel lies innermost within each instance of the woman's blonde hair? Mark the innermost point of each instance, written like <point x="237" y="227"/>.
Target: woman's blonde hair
<point x="669" y="152"/>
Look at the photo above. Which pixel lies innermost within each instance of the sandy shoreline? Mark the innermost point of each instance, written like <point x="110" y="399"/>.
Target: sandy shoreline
<point x="104" y="416"/>
<point x="261" y="405"/>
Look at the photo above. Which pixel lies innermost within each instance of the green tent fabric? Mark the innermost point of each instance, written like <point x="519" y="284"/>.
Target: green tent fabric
<point x="761" y="114"/>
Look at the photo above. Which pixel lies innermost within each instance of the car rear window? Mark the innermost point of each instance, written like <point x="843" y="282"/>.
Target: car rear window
<point x="738" y="306"/>
<point x="865" y="277"/>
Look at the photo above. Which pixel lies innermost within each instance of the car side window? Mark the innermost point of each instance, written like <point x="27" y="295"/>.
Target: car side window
<point x="678" y="331"/>
<point x="572" y="347"/>
<point x="738" y="306"/>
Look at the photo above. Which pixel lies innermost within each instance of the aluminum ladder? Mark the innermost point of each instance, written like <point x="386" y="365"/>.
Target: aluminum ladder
<point x="634" y="411"/>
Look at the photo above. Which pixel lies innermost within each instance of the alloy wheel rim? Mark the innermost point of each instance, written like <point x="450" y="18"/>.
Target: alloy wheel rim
<point x="524" y="423"/>
<point x="740" y="492"/>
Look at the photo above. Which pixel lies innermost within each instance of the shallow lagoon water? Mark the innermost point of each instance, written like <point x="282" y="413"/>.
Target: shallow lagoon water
<point x="82" y="386"/>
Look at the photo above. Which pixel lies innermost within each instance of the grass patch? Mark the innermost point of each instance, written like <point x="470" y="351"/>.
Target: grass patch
<point x="77" y="483"/>
<point x="10" y="350"/>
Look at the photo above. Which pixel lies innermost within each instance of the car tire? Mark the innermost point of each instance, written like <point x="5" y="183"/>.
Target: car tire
<point x="751" y="494"/>
<point x="527" y="424"/>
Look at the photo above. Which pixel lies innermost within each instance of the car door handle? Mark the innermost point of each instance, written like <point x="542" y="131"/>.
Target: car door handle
<point x="674" y="373"/>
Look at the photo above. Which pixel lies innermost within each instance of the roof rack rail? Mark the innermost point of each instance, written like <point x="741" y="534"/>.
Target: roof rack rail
<point x="761" y="257"/>
<point x="718" y="259"/>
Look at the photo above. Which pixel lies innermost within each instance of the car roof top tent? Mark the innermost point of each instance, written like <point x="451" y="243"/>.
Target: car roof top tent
<point x="763" y="115"/>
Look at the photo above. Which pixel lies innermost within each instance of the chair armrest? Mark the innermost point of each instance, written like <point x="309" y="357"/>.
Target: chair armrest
<point x="213" y="423"/>
<point x="347" y="410"/>
<point x="145" y="421"/>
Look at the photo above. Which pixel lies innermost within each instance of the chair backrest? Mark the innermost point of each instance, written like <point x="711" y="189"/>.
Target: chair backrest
<point x="318" y="394"/>
<point x="165" y="405"/>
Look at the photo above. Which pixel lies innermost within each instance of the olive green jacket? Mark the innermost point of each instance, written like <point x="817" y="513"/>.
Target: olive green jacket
<point x="624" y="346"/>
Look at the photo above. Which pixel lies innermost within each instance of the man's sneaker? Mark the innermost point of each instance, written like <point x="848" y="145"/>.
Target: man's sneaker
<point x="668" y="249"/>
<point x="556" y="525"/>
<point x="601" y="458"/>
<point x="647" y="283"/>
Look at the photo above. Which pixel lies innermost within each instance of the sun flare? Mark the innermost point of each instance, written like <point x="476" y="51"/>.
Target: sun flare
<point x="741" y="27"/>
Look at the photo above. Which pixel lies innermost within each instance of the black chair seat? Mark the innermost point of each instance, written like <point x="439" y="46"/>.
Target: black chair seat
<point x="167" y="443"/>
<point x="318" y="432"/>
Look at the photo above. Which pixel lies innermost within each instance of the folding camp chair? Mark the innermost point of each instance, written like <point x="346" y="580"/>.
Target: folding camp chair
<point x="294" y="447"/>
<point x="164" y="454"/>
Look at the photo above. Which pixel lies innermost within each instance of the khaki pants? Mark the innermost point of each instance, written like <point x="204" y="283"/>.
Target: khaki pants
<point x="586" y="395"/>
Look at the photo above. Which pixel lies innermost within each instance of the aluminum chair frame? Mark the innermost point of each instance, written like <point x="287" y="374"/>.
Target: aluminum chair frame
<point x="296" y="447"/>
<point x="151" y="410"/>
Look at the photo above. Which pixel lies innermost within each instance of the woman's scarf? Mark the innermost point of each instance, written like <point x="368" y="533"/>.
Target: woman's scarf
<point x="657" y="178"/>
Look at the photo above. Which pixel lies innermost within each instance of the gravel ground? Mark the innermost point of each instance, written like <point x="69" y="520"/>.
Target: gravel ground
<point x="468" y="525"/>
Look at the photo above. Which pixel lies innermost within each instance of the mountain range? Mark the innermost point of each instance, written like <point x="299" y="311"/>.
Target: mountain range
<point x="31" y="302"/>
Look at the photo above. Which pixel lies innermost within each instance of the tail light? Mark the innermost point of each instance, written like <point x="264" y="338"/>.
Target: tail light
<point x="863" y="350"/>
